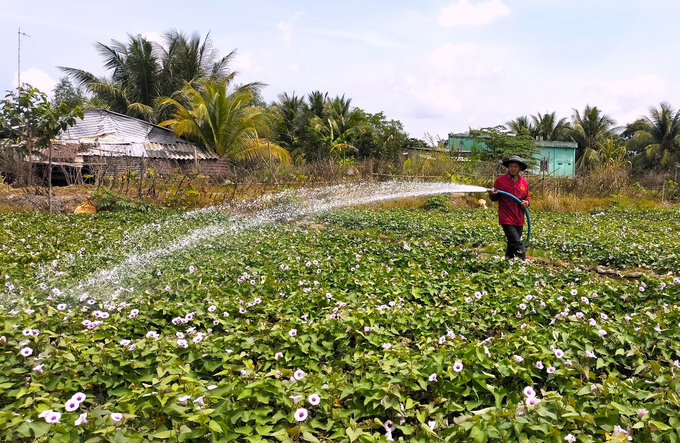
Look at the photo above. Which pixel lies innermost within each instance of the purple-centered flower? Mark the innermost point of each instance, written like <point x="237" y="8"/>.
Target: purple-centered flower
<point x="559" y="353"/>
<point x="301" y="414"/>
<point x="292" y="332"/>
<point x="53" y="417"/>
<point x="79" y="397"/>
<point x="539" y="365"/>
<point x="529" y="391"/>
<point x="570" y="438"/>
<point x="433" y="377"/>
<point x="550" y="370"/>
<point x="314" y="399"/>
<point x="116" y="416"/>
<point x="299" y="374"/>
<point x="458" y="366"/>
<point x="184" y="399"/>
<point x="26" y="351"/>
<point x="278" y="355"/>
<point x="71" y="405"/>
<point x="642" y="412"/>
<point x="531" y="401"/>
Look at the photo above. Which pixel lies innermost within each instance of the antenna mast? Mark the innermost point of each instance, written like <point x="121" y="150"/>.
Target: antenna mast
<point x="19" y="34"/>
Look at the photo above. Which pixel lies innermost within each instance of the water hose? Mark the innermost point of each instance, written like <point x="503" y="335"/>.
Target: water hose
<point x="526" y="212"/>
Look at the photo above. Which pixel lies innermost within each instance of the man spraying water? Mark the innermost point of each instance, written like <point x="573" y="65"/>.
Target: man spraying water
<point x="510" y="212"/>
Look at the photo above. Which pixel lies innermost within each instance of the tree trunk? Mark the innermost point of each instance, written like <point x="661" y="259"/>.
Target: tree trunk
<point x="49" y="182"/>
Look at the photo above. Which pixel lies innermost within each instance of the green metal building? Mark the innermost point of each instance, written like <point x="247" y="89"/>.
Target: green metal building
<point x="556" y="158"/>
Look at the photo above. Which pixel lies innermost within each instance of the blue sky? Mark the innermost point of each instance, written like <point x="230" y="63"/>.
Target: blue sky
<point x="437" y="66"/>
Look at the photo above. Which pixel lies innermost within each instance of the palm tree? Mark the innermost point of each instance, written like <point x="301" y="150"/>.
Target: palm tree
<point x="656" y="138"/>
<point x="590" y="130"/>
<point x="222" y="121"/>
<point x="290" y="121"/>
<point x="143" y="71"/>
<point x="520" y="125"/>
<point x="547" y="127"/>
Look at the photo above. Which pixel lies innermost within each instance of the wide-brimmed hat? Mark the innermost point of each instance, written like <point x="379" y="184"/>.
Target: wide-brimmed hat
<point x="515" y="159"/>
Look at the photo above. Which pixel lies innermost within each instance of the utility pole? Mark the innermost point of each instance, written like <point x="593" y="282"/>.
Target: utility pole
<point x="19" y="34"/>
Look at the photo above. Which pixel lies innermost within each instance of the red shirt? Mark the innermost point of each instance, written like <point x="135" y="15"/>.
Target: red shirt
<point x="509" y="211"/>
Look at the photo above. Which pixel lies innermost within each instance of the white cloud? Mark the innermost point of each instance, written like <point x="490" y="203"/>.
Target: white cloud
<point x="634" y="87"/>
<point x="463" y="12"/>
<point x="38" y="79"/>
<point x="286" y="28"/>
<point x="242" y="61"/>
<point x="294" y="67"/>
<point x="449" y="56"/>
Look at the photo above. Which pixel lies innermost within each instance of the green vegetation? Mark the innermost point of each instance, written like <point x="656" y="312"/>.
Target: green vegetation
<point x="361" y="326"/>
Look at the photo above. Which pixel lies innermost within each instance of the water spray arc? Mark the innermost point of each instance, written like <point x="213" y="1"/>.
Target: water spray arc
<point x="277" y="208"/>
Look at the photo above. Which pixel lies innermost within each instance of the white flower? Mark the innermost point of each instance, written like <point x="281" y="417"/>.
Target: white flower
<point x="26" y="351"/>
<point x="550" y="370"/>
<point x="278" y="355"/>
<point x="386" y="346"/>
<point x="301" y="414"/>
<point x="570" y="438"/>
<point x="559" y="353"/>
<point x="431" y="424"/>
<point x="314" y="399"/>
<point x="52" y="417"/>
<point x="529" y="391"/>
<point x="81" y="419"/>
<point x="531" y="401"/>
<point x="79" y="397"/>
<point x="458" y="366"/>
<point x="292" y="332"/>
<point x="71" y="405"/>
<point x="116" y="416"/>
<point x="152" y="334"/>
<point x="299" y="374"/>
<point x="433" y="377"/>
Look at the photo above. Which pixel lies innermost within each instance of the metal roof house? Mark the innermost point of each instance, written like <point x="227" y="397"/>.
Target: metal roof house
<point x="115" y="143"/>
<point x="556" y="158"/>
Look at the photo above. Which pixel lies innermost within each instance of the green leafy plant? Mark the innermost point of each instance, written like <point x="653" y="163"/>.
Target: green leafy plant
<point x="436" y="202"/>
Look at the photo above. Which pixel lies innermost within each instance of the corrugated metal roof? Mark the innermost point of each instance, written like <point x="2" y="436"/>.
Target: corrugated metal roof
<point x="111" y="134"/>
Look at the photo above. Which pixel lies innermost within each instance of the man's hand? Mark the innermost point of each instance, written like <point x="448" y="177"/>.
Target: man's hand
<point x="492" y="191"/>
<point x="525" y="204"/>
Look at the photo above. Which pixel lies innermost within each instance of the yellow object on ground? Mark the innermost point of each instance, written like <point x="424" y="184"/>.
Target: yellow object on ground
<point x="86" y="208"/>
<point x="481" y="202"/>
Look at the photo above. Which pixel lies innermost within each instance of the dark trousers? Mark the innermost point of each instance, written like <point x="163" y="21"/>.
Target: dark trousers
<point x="515" y="247"/>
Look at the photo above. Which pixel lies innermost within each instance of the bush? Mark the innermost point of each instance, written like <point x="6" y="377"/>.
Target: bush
<point x="437" y="202"/>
